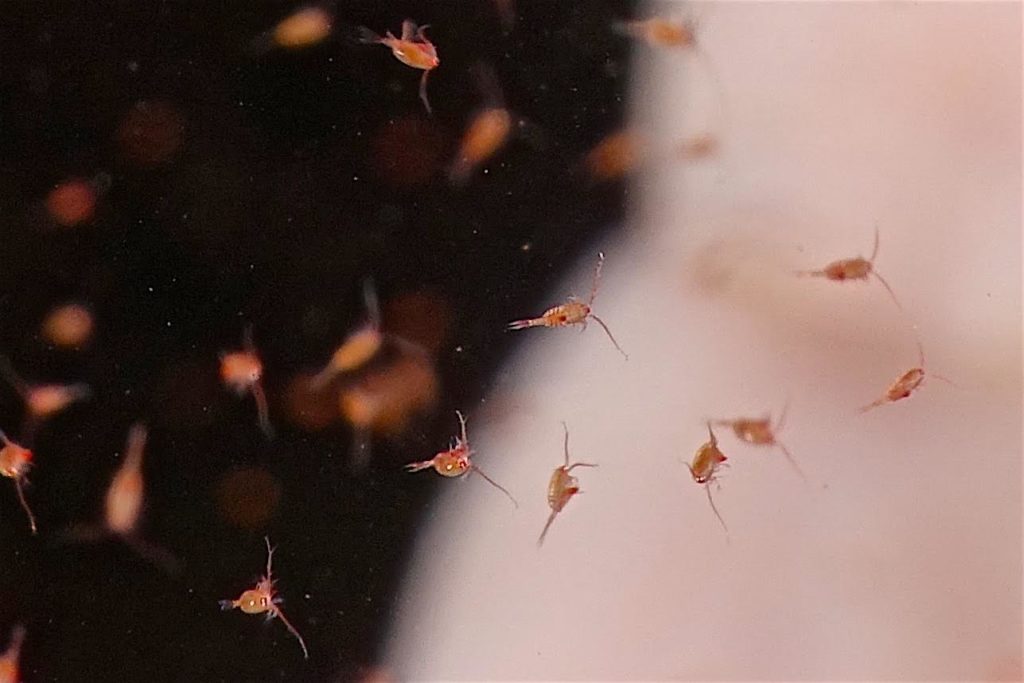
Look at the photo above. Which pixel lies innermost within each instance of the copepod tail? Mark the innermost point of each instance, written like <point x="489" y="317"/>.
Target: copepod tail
<point x="423" y="92"/>
<point x="417" y="466"/>
<point x="551" y="519"/>
<point x="525" y="323"/>
<point x="368" y="37"/>
<point x="226" y="604"/>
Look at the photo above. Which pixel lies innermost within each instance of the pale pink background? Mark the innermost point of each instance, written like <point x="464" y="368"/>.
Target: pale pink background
<point x="902" y="559"/>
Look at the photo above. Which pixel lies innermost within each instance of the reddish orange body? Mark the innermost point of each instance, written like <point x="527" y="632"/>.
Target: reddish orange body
<point x="15" y="463"/>
<point x="759" y="432"/>
<point x="486" y="134"/>
<point x="704" y="468"/>
<point x="9" y="660"/>
<point x="573" y="312"/>
<point x="242" y="372"/>
<point x="412" y="49"/>
<point x="615" y="155"/>
<point x="42" y="401"/>
<point x="905" y="384"/>
<point x="305" y="27"/>
<point x="562" y="487"/>
<point x="456" y="462"/>
<point x="658" y="32"/>
<point x="858" y="268"/>
<point x="263" y="599"/>
<point x="360" y="347"/>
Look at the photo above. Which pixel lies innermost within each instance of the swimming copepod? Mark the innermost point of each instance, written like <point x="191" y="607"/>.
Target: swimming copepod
<point x="561" y="487"/>
<point x="704" y="469"/>
<point x="15" y="462"/>
<point x="412" y="49"/>
<point x="760" y="432"/>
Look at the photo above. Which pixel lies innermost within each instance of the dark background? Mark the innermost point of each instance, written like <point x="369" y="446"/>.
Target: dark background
<point x="294" y="177"/>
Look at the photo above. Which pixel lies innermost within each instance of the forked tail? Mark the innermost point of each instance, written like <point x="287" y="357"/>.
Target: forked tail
<point x="525" y="323"/>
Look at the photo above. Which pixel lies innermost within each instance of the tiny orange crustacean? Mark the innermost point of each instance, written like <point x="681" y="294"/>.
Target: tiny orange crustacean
<point x="15" y="463"/>
<point x="572" y="312"/>
<point x="242" y="372"/>
<point x="359" y="347"/>
<point x="487" y="132"/>
<point x="707" y="461"/>
<point x="413" y="49"/>
<point x="456" y="462"/>
<point x="857" y="268"/>
<point x="660" y="32"/>
<point x="263" y="599"/>
<point x="760" y="432"/>
<point x="905" y="384"/>
<point x="562" y="487"/>
<point x="42" y="401"/>
<point x="9" y="659"/>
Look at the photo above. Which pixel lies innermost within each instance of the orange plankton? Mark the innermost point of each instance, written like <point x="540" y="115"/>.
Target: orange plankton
<point x="704" y="469"/>
<point x="572" y="312"/>
<point x="487" y="131"/>
<point x="615" y="155"/>
<point x="412" y="49"/>
<point x="242" y="372"/>
<point x="263" y="599"/>
<point x="857" y="268"/>
<point x="455" y="462"/>
<point x="9" y="668"/>
<point x="42" y="401"/>
<point x="759" y="432"/>
<point x="305" y="27"/>
<point x="359" y="347"/>
<point x="658" y="32"/>
<point x="905" y="384"/>
<point x="562" y="487"/>
<point x="15" y="462"/>
<point x="124" y="503"/>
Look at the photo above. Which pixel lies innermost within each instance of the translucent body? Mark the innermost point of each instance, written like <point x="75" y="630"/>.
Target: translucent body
<point x="561" y="487"/>
<point x="262" y="599"/>
<point x="123" y="504"/>
<point x="412" y="49"/>
<point x="659" y="32"/>
<point x="572" y="312"/>
<point x="456" y="461"/>
<point x="857" y="268"/>
<point x="906" y="384"/>
<point x="484" y="136"/>
<point x="759" y="432"/>
<point x="242" y="372"/>
<point x="15" y="463"/>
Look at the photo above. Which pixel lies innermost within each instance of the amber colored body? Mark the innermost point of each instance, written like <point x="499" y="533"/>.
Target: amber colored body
<point x="659" y="32"/>
<point x="412" y="49"/>
<point x="306" y="27"/>
<point x="15" y="462"/>
<point x="572" y="312"/>
<point x="858" y="268"/>
<point x="903" y="387"/>
<point x="9" y="668"/>
<point x="456" y="462"/>
<point x="704" y="468"/>
<point x="484" y="136"/>
<point x="242" y="372"/>
<point x="759" y="432"/>
<point x="124" y="497"/>
<point x="614" y="156"/>
<point x="561" y="487"/>
<point x="262" y="599"/>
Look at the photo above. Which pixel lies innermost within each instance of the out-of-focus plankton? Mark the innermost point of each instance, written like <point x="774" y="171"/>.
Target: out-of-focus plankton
<point x="263" y="599"/>
<point x="123" y="506"/>
<point x="760" y="432"/>
<point x="456" y="462"/>
<point x="242" y="372"/>
<point x="15" y="463"/>
<point x="307" y="26"/>
<point x="704" y="469"/>
<point x="487" y="131"/>
<point x="660" y="32"/>
<point x="562" y="487"/>
<point x="42" y="401"/>
<point x="615" y="155"/>
<point x="413" y="49"/>
<point x="857" y="268"/>
<point x="359" y="347"/>
<point x="905" y="384"/>
<point x="572" y="312"/>
<point x="9" y="660"/>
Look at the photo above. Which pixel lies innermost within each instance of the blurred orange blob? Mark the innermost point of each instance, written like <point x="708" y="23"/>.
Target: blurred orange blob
<point x="486" y="134"/>
<point x="306" y="27"/>
<point x="384" y="401"/>
<point x="614" y="156"/>
<point x="420" y="317"/>
<point x="408" y="151"/>
<point x="151" y="133"/>
<point x="72" y="203"/>
<point x="248" y="497"/>
<point x="69" y="326"/>
<point x="309" y="404"/>
<point x="9" y="669"/>
<point x="700" y="146"/>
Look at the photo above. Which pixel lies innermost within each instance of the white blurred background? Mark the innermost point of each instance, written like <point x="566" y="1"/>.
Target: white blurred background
<point x="901" y="559"/>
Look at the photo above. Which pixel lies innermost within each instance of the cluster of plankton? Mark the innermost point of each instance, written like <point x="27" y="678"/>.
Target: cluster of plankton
<point x="241" y="371"/>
